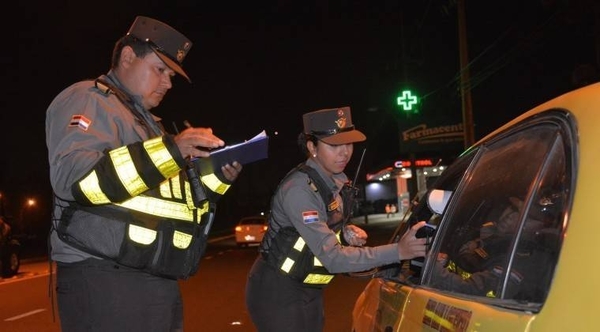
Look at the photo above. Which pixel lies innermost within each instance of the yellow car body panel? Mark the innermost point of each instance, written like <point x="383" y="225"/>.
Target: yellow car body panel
<point x="571" y="303"/>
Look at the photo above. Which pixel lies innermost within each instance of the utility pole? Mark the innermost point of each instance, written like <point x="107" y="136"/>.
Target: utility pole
<point x="465" y="85"/>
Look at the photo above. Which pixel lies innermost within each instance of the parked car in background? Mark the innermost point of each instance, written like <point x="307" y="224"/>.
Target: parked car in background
<point x="250" y="230"/>
<point x="514" y="227"/>
<point x="10" y="250"/>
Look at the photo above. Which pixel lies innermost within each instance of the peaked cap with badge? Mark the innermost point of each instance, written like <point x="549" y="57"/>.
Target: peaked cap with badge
<point x="169" y="44"/>
<point x="332" y="126"/>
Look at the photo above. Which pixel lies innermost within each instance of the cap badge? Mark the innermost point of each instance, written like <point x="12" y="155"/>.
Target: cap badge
<point x="340" y="112"/>
<point x="341" y="122"/>
<point x="180" y="55"/>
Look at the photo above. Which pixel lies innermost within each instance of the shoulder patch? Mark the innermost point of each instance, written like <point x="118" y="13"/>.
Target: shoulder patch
<point x="310" y="216"/>
<point x="80" y="121"/>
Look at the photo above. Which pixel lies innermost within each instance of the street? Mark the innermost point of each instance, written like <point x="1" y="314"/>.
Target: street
<point x="213" y="298"/>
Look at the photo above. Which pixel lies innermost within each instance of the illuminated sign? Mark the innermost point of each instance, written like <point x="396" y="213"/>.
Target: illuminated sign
<point x="418" y="163"/>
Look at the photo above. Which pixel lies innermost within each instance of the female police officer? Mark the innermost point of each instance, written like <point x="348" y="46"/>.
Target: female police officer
<point x="308" y="239"/>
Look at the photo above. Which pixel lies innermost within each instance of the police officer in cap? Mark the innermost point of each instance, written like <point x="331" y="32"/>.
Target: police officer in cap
<point x="130" y="212"/>
<point x="309" y="239"/>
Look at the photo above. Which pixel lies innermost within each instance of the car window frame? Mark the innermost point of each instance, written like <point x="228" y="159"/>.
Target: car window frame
<point x="465" y="164"/>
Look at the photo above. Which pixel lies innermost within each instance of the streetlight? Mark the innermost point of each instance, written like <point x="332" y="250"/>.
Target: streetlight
<point x="29" y="203"/>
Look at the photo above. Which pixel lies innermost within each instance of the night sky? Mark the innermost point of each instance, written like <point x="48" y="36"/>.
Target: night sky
<point x="261" y="64"/>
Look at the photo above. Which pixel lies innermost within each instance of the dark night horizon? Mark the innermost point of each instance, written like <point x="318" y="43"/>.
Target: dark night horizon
<point x="261" y="66"/>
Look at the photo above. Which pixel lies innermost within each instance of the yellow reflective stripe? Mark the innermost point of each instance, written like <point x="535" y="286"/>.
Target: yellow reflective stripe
<point x="315" y="278"/>
<point x="287" y="265"/>
<point x="171" y="188"/>
<point x="213" y="183"/>
<point x="299" y="245"/>
<point x="181" y="240"/>
<point x="141" y="234"/>
<point x="159" y="207"/>
<point x="161" y="157"/>
<point x="203" y="209"/>
<point x="176" y="187"/>
<point x="90" y="187"/>
<point x="188" y="195"/>
<point x="126" y="171"/>
<point x="317" y="262"/>
<point x="444" y="323"/>
<point x="452" y="267"/>
<point x="165" y="189"/>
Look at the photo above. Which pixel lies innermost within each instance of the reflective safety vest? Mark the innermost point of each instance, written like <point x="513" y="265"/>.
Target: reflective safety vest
<point x="116" y="215"/>
<point x="287" y="251"/>
<point x="317" y="275"/>
<point x="159" y="231"/>
<point x="515" y="278"/>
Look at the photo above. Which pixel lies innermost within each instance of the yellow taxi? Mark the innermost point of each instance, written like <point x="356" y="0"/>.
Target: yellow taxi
<point x="512" y="231"/>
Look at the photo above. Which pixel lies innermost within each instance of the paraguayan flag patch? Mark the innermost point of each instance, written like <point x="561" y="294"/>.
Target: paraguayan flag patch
<point x="310" y="216"/>
<point x="80" y="121"/>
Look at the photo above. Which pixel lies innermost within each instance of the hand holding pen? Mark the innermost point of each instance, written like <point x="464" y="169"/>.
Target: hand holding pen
<point x="230" y="171"/>
<point x="192" y="140"/>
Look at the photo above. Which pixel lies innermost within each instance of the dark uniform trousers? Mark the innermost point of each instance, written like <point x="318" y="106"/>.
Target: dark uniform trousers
<point x="278" y="303"/>
<point x="147" y="309"/>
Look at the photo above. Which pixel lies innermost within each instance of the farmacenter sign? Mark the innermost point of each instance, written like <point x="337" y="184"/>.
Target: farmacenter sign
<point x="424" y="138"/>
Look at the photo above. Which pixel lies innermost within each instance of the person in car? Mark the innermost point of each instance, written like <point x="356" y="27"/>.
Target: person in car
<point x="479" y="265"/>
<point x="308" y="240"/>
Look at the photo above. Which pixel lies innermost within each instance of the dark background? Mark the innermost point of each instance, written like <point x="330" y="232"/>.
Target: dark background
<point x="261" y="64"/>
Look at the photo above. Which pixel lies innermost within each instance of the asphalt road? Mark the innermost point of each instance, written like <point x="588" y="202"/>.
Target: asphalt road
<point x="214" y="298"/>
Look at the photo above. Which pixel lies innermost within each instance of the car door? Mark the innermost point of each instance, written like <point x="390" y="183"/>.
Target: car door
<point x="499" y="214"/>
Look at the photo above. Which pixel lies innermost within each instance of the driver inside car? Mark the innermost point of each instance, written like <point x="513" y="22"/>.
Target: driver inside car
<point x="479" y="265"/>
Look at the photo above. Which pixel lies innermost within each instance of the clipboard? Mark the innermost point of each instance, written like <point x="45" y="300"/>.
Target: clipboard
<point x="249" y="151"/>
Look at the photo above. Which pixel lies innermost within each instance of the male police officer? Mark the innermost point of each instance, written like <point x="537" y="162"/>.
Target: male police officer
<point x="128" y="221"/>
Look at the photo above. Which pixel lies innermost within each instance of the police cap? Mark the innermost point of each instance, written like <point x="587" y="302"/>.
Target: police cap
<point x="332" y="126"/>
<point x="169" y="44"/>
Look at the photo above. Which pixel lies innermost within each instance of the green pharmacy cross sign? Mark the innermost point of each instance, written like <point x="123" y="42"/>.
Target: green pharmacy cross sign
<point x="407" y="100"/>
